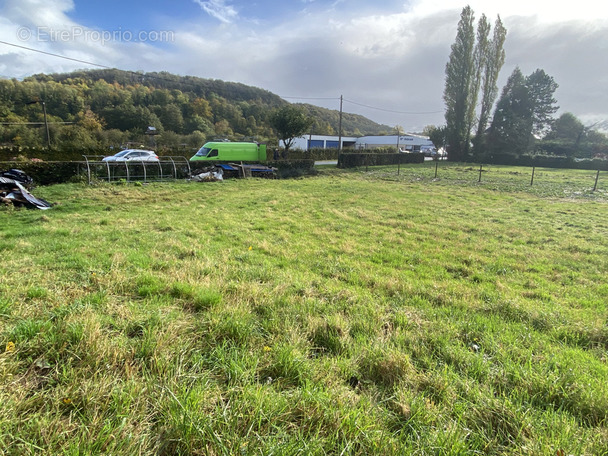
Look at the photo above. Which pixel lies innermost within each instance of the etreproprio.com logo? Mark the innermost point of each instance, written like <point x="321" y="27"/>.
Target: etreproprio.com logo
<point x="49" y="34"/>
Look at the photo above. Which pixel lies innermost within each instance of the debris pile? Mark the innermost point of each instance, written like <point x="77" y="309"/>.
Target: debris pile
<point x="229" y="170"/>
<point x="209" y="176"/>
<point x="14" y="185"/>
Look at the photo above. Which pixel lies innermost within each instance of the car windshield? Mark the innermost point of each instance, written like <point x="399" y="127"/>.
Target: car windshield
<point x="203" y="152"/>
<point x="123" y="153"/>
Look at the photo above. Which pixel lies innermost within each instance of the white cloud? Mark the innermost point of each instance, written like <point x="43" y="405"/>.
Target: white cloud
<point x="219" y="10"/>
<point x="45" y="26"/>
<point x="546" y="11"/>
<point x="38" y="12"/>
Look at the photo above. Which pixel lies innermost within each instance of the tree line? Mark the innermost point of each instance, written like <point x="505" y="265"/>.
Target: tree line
<point x="522" y="121"/>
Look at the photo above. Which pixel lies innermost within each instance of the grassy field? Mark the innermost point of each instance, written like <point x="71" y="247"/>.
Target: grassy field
<point x="348" y="313"/>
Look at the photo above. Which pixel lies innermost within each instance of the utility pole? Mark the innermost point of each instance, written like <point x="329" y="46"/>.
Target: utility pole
<point x="46" y="124"/>
<point x="398" y="131"/>
<point x="340" y="126"/>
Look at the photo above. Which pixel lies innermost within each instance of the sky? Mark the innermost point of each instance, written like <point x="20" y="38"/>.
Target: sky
<point x="386" y="58"/>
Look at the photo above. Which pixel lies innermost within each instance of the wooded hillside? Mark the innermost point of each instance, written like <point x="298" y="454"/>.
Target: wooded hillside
<point x="103" y="108"/>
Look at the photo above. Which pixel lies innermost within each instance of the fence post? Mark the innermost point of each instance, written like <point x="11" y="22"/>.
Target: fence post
<point x="436" y="163"/>
<point x="480" y="167"/>
<point x="597" y="176"/>
<point x="532" y="180"/>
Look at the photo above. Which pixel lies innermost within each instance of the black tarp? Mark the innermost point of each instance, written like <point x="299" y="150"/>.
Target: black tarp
<point x="13" y="190"/>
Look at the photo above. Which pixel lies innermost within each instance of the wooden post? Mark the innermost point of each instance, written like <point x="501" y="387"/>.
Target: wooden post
<point x="532" y="180"/>
<point x="597" y="176"/>
<point x="436" y="164"/>
<point x="480" y="167"/>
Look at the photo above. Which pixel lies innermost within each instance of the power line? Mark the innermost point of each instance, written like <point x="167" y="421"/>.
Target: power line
<point x="311" y="98"/>
<point x="34" y="123"/>
<point x="54" y="55"/>
<point x="390" y="110"/>
<point x="363" y="105"/>
<point x="147" y="75"/>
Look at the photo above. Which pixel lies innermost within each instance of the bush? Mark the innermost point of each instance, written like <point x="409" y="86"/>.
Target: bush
<point x="312" y="154"/>
<point x="20" y="154"/>
<point x="293" y="168"/>
<point x="557" y="147"/>
<point x="544" y="161"/>
<point x="377" y="159"/>
<point x="46" y="173"/>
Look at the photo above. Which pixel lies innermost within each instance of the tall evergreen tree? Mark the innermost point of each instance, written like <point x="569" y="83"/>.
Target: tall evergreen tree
<point x="523" y="112"/>
<point x="493" y="64"/>
<point x="541" y="88"/>
<point x="512" y="122"/>
<point x="459" y="74"/>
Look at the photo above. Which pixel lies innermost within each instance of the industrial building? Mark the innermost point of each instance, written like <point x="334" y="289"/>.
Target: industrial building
<point x="307" y="142"/>
<point x="405" y="143"/>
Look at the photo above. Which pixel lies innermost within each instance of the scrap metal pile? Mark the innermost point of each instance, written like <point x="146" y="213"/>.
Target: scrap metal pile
<point x="228" y="170"/>
<point x="14" y="189"/>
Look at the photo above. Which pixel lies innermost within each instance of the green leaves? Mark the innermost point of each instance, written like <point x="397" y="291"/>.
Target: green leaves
<point x="290" y="122"/>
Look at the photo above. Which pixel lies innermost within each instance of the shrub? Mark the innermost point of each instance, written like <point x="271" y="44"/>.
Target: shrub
<point x="543" y="161"/>
<point x="377" y="159"/>
<point x="293" y="168"/>
<point x="46" y="173"/>
<point x="312" y="154"/>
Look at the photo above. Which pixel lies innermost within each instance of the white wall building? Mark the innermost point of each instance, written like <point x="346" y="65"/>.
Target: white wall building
<point x="321" y="141"/>
<point x="406" y="143"/>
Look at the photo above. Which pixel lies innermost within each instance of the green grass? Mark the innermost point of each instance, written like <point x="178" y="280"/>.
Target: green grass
<point x="350" y="313"/>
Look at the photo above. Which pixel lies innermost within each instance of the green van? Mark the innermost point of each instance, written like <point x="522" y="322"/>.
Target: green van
<point x="231" y="151"/>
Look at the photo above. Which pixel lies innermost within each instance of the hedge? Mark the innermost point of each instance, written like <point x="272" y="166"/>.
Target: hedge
<point x="544" y="161"/>
<point x="53" y="155"/>
<point x="377" y="159"/>
<point x="293" y="168"/>
<point x="47" y="173"/>
<point x="312" y="154"/>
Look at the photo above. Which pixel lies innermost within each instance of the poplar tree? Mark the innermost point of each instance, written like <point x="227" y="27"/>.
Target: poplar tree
<point x="493" y="64"/>
<point x="459" y="74"/>
<point x="480" y="58"/>
<point x="474" y="64"/>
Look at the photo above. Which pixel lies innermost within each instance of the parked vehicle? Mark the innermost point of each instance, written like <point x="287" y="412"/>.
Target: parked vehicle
<point x="133" y="155"/>
<point x="429" y="151"/>
<point x="231" y="151"/>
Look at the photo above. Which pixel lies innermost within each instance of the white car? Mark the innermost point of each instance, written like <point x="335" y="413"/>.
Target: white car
<point x="133" y="155"/>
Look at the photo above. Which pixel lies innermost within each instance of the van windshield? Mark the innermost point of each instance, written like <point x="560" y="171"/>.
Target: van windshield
<point x="203" y="152"/>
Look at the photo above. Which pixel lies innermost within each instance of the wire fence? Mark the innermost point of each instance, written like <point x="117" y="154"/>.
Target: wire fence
<point x="557" y="182"/>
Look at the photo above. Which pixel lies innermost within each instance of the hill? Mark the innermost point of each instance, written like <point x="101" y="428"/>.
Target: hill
<point x="109" y="107"/>
<point x="327" y="122"/>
